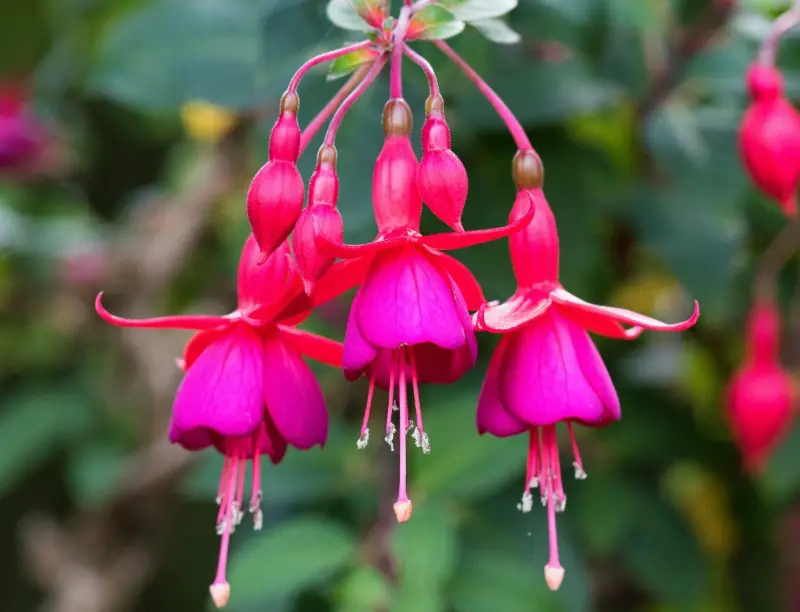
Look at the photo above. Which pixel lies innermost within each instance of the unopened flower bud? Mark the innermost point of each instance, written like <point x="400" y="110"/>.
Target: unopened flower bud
<point x="761" y="396"/>
<point x="395" y="196"/>
<point x="769" y="138"/>
<point x="320" y="218"/>
<point x="275" y="198"/>
<point x="442" y="179"/>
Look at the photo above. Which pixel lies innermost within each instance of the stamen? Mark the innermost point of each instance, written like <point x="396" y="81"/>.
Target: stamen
<point x="580" y="473"/>
<point x="391" y="393"/>
<point x="255" y="491"/>
<point x="363" y="440"/>
<point x="222" y="483"/>
<point x="532" y="469"/>
<point x="424" y="442"/>
<point x="390" y="436"/>
<point x="553" y="572"/>
<point x="220" y="590"/>
<point x="555" y="466"/>
<point x="526" y="504"/>
<point x="410" y="426"/>
<point x="402" y="508"/>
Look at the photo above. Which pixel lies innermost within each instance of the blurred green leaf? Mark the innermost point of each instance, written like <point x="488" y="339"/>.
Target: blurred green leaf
<point x="434" y="22"/>
<point x="473" y="10"/>
<point x="94" y="474"/>
<point x="497" y="31"/>
<point x="288" y="558"/>
<point x="343" y="14"/>
<point x="462" y="463"/>
<point x="346" y="64"/>
<point x="781" y="478"/>
<point x="32" y="426"/>
<point x="363" y="590"/>
<point x="425" y="548"/>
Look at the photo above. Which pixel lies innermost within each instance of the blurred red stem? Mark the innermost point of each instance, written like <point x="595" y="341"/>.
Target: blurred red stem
<point x="769" y="48"/>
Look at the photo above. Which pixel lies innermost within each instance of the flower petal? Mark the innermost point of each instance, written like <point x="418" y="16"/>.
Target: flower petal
<point x="492" y="416"/>
<point x="542" y="381"/>
<point x="311" y="345"/>
<point x="592" y="315"/>
<point x="520" y="309"/>
<point x="197" y="344"/>
<point x="462" y="277"/>
<point x="358" y="353"/>
<point x="193" y="322"/>
<point x="450" y="241"/>
<point x="222" y="390"/>
<point x="406" y="300"/>
<point x="293" y="396"/>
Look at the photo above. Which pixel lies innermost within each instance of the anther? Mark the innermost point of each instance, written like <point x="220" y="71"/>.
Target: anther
<point x="426" y="444"/>
<point x="363" y="440"/>
<point x="580" y="473"/>
<point x="390" y="431"/>
<point x="526" y="504"/>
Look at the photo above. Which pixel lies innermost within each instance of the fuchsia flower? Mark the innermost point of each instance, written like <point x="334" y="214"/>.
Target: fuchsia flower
<point x="761" y="396"/>
<point x="247" y="390"/>
<point x="275" y="198"/>
<point x="546" y="370"/>
<point x="409" y="321"/>
<point x="769" y="138"/>
<point x="22" y="138"/>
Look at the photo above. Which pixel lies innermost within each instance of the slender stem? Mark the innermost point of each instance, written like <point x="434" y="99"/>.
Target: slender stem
<point x="324" y="57"/>
<point x="420" y="61"/>
<point x="318" y="121"/>
<point x="784" y="23"/>
<point x="514" y="126"/>
<point x="336" y="120"/>
<point x="774" y="258"/>
<point x="398" y="43"/>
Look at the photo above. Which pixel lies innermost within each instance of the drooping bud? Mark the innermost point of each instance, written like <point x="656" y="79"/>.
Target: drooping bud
<point x="320" y="218"/>
<point x="534" y="250"/>
<point x="395" y="197"/>
<point x="275" y="198"/>
<point x="441" y="178"/>
<point x="260" y="282"/>
<point x="769" y="138"/>
<point x="761" y="396"/>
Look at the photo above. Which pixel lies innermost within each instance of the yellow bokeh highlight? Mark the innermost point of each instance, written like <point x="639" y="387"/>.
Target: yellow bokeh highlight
<point x="206" y="122"/>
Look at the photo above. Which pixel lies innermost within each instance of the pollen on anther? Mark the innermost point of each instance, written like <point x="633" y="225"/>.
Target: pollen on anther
<point x="426" y="444"/>
<point x="363" y="440"/>
<point x="390" y="431"/>
<point x="580" y="473"/>
<point x="526" y="504"/>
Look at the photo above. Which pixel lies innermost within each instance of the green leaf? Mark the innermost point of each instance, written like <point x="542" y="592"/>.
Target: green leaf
<point x="94" y="474"/>
<point x="425" y="548"/>
<point x="32" y="425"/>
<point x="474" y="10"/>
<point x="363" y="590"/>
<point x="781" y="479"/>
<point x="497" y="31"/>
<point x="461" y="462"/>
<point x="435" y="22"/>
<point x="342" y="13"/>
<point x="347" y="64"/>
<point x="289" y="558"/>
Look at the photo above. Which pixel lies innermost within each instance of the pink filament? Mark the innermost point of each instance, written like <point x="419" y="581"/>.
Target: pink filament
<point x="392" y="366"/>
<point x="402" y="495"/>
<point x="415" y="384"/>
<point x="370" y="393"/>
<point x="575" y="452"/>
<point x="549" y="453"/>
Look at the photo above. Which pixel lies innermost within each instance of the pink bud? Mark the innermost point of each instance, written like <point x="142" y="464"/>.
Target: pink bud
<point x="395" y="197"/>
<point x="769" y="138"/>
<point x="275" y="198"/>
<point x="534" y="250"/>
<point x="316" y="220"/>
<point x="259" y="282"/>
<point x="441" y="177"/>
<point x="761" y="395"/>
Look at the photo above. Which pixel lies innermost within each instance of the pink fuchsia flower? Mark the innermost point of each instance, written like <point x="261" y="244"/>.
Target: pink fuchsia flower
<point x="275" y="198"/>
<point x="22" y="138"/>
<point x="409" y="322"/>
<point x="546" y="369"/>
<point x="769" y="138"/>
<point x="761" y="396"/>
<point x="247" y="390"/>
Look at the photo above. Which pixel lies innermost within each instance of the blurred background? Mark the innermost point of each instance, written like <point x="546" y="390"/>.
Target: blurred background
<point x="129" y="130"/>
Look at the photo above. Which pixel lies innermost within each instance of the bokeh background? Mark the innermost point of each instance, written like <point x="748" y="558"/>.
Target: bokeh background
<point x="135" y="126"/>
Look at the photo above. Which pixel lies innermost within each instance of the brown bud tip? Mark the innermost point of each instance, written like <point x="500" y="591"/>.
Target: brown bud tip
<point x="528" y="171"/>
<point x="434" y="105"/>
<point x="220" y="593"/>
<point x="327" y="155"/>
<point x="397" y="118"/>
<point x="553" y="576"/>
<point x="290" y="103"/>
<point x="402" y="510"/>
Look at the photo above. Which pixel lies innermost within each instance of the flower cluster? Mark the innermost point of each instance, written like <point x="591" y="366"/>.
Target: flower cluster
<point x="247" y="390"/>
<point x="761" y="396"/>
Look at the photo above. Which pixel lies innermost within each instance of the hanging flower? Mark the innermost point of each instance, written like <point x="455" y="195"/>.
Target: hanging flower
<point x="546" y="369"/>
<point x="247" y="390"/>
<point x="761" y="396"/>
